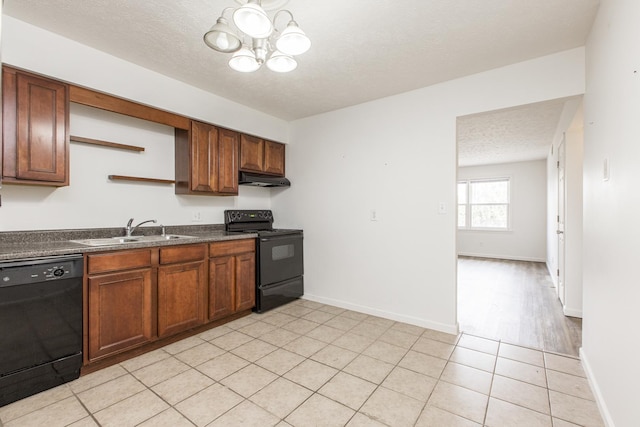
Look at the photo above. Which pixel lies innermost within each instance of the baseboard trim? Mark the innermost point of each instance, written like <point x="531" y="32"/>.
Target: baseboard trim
<point x="602" y="406"/>
<point x="571" y="312"/>
<point x="507" y="257"/>
<point x="424" y="323"/>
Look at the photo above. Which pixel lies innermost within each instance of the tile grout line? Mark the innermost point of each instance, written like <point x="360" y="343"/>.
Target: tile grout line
<point x="384" y="327"/>
<point x="426" y="403"/>
<point x="493" y="376"/>
<point x="278" y="375"/>
<point x="83" y="406"/>
<point x="377" y="386"/>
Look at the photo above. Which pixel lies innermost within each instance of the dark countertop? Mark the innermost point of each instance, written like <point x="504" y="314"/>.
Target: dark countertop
<point x="42" y="243"/>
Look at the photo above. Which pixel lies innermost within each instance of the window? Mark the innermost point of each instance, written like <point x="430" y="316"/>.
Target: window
<point x="483" y="204"/>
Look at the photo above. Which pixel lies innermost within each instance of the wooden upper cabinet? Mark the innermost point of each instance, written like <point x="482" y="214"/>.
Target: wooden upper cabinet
<point x="251" y="153"/>
<point x="206" y="160"/>
<point x="35" y="129"/>
<point x="259" y="155"/>
<point x="273" y="158"/>
<point x="204" y="157"/>
<point x="227" y="161"/>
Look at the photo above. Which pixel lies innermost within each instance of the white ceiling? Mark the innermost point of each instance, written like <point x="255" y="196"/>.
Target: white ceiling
<point x="510" y="135"/>
<point x="361" y="49"/>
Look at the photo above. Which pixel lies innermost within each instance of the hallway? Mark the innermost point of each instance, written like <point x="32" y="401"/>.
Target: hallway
<point x="514" y="301"/>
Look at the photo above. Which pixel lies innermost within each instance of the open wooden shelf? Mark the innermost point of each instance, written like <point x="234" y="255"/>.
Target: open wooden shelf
<point x="105" y="143"/>
<point x="141" y="179"/>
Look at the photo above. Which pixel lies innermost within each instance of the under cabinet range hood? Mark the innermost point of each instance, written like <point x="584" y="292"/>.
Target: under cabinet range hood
<point x="258" y="180"/>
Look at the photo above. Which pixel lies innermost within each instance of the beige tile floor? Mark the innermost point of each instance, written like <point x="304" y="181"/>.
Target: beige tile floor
<point x="308" y="364"/>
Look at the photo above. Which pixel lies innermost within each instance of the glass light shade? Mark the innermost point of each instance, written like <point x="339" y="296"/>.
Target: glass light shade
<point x="244" y="61"/>
<point x="293" y="41"/>
<point x="252" y="20"/>
<point x="281" y="62"/>
<point x="222" y="38"/>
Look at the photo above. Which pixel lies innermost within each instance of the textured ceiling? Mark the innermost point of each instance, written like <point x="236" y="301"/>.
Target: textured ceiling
<point x="510" y="135"/>
<point x="361" y="49"/>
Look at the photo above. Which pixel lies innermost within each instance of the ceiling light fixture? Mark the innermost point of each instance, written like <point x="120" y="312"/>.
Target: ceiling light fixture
<point x="255" y="40"/>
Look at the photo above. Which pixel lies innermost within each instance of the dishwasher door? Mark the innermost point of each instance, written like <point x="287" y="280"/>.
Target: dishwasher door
<point x="40" y="324"/>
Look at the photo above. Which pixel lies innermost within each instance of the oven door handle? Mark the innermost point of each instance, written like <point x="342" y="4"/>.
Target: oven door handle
<point x="281" y="237"/>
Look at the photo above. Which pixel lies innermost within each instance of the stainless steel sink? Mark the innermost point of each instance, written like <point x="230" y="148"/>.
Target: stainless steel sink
<point x="121" y="240"/>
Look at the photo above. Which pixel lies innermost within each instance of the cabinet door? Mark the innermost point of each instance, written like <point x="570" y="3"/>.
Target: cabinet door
<point x="251" y="153"/>
<point x="42" y="129"/>
<point x="120" y="312"/>
<point x="204" y="157"/>
<point x="221" y="289"/>
<point x="274" y="158"/>
<point x="227" y="162"/>
<point x="245" y="281"/>
<point x="180" y="297"/>
<point x="35" y="130"/>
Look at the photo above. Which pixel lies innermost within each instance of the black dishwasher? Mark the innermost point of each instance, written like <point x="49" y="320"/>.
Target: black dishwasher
<point x="40" y="324"/>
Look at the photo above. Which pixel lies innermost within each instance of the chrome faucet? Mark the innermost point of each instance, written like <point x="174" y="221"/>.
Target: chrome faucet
<point x="131" y="229"/>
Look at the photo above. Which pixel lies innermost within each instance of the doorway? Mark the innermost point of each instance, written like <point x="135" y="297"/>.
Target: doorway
<point x="512" y="284"/>
<point x="561" y="219"/>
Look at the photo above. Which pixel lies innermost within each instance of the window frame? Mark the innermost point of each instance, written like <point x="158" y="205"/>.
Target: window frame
<point x="468" y="205"/>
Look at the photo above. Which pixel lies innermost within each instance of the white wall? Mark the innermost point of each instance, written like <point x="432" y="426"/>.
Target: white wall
<point x="526" y="238"/>
<point x="397" y="156"/>
<point x="611" y="211"/>
<point x="91" y="200"/>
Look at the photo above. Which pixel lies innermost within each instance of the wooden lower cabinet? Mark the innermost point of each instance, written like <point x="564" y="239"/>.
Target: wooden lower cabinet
<point x="221" y="289"/>
<point x="245" y="281"/>
<point x="120" y="311"/>
<point x="140" y="296"/>
<point x="232" y="281"/>
<point x="181" y="289"/>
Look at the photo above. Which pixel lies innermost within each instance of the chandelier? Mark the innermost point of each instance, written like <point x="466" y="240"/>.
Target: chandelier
<point x="255" y="39"/>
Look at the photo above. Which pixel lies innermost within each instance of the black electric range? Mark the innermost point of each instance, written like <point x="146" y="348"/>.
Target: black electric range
<point x="279" y="257"/>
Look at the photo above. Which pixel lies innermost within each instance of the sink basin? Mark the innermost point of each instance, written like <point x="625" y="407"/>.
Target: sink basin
<point x="109" y="241"/>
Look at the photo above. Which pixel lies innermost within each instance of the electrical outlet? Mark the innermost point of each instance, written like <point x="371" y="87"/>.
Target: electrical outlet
<point x="197" y="216"/>
<point x="442" y="208"/>
<point x="373" y="215"/>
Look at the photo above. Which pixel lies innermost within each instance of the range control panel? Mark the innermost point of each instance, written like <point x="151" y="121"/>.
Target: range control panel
<point x="244" y="216"/>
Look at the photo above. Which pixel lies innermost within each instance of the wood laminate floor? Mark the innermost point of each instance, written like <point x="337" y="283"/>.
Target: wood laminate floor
<point x="514" y="301"/>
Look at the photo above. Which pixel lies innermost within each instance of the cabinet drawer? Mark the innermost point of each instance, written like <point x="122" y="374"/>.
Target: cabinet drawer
<point x="116" y="261"/>
<point x="183" y="254"/>
<point x="232" y="247"/>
